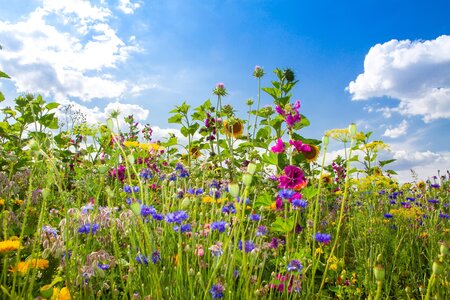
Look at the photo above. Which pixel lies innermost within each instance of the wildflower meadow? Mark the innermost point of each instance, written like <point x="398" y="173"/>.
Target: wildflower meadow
<point x="244" y="206"/>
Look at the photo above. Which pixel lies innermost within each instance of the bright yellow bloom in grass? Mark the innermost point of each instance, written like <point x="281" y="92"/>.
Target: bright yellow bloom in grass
<point x="23" y="266"/>
<point x="131" y="144"/>
<point x="64" y="294"/>
<point x="9" y="245"/>
<point x="18" y="202"/>
<point x="2" y="201"/>
<point x="150" y="146"/>
<point x="412" y="213"/>
<point x="209" y="199"/>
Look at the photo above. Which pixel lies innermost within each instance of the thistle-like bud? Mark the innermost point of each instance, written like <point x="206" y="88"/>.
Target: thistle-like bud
<point x="444" y="249"/>
<point x="438" y="267"/>
<point x="250" y="102"/>
<point x="233" y="188"/>
<point x="289" y="75"/>
<point x="220" y="90"/>
<point x="258" y="72"/>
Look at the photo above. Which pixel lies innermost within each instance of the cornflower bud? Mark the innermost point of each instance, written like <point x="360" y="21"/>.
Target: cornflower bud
<point x="251" y="168"/>
<point x="247" y="179"/>
<point x="233" y="188"/>
<point x="352" y="129"/>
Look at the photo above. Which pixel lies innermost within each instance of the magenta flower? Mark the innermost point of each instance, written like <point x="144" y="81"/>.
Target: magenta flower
<point x="292" y="119"/>
<point x="279" y="147"/>
<point x="299" y="146"/>
<point x="293" y="176"/>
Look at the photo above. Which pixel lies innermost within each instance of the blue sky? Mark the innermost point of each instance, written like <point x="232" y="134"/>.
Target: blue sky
<point x="384" y="65"/>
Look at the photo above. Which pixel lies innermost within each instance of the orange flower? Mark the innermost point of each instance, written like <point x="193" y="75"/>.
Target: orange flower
<point x="9" y="245"/>
<point x="23" y="266"/>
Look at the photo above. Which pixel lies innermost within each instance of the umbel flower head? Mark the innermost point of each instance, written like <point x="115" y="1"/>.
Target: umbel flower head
<point x="233" y="127"/>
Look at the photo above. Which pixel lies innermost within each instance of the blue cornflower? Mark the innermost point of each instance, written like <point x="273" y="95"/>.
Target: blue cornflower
<point x="136" y="189"/>
<point x="176" y="217"/>
<point x="183" y="228"/>
<point x="388" y="216"/>
<point x="227" y="209"/>
<point x="147" y="210"/>
<point x="146" y="174"/>
<point x="127" y="189"/>
<point x="261" y="231"/>
<point x="295" y="265"/>
<point x="156" y="257"/>
<point x="444" y="215"/>
<point x="199" y="191"/>
<point x="184" y="173"/>
<point x="254" y="217"/>
<point x="217" y="291"/>
<point x="87" y="228"/>
<point x="220" y="226"/>
<point x="286" y="194"/>
<point x="214" y="184"/>
<point x="215" y="193"/>
<point x="103" y="266"/>
<point x="142" y="259"/>
<point x="433" y="201"/>
<point x="50" y="230"/>
<point x="392" y="202"/>
<point x="249" y="246"/>
<point x="410" y="199"/>
<point x="191" y="191"/>
<point x="157" y="217"/>
<point x="299" y="203"/>
<point x="173" y="177"/>
<point x="179" y="167"/>
<point x="435" y="186"/>
<point x="323" y="237"/>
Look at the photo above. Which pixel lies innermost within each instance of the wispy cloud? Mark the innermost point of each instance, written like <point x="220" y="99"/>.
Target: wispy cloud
<point x="414" y="72"/>
<point x="395" y="132"/>
<point x="128" y="7"/>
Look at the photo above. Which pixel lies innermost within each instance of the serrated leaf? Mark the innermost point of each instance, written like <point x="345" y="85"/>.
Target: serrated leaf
<point x="263" y="200"/>
<point x="282" y="225"/>
<point x="176" y="118"/>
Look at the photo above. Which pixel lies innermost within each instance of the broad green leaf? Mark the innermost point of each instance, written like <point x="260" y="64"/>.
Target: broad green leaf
<point x="2" y="97"/>
<point x="270" y="158"/>
<point x="264" y="199"/>
<point x="4" y="75"/>
<point x="282" y="225"/>
<point x="51" y="105"/>
<point x="176" y="118"/>
<point x="385" y="162"/>
<point x="309" y="192"/>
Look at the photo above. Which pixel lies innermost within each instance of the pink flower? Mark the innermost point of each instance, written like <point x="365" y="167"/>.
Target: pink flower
<point x="299" y="146"/>
<point x="293" y="176"/>
<point x="279" y="147"/>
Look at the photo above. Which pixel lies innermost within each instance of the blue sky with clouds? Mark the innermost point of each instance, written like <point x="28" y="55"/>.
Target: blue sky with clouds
<point x="384" y="65"/>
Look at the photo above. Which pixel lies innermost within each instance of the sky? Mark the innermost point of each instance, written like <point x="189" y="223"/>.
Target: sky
<point x="384" y="65"/>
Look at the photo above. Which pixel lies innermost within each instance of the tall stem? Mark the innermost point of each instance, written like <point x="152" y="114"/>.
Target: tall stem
<point x="257" y="108"/>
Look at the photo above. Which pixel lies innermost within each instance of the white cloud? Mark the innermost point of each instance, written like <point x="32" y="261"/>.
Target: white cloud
<point x="415" y="72"/>
<point x="65" y="49"/>
<point x="127" y="7"/>
<point x="398" y="131"/>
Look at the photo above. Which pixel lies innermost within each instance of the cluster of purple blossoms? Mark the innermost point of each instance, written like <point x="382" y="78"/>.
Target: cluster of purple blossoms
<point x="299" y="203"/>
<point x="146" y="174"/>
<point x="229" y="209"/>
<point x="182" y="228"/>
<point x="88" y="228"/>
<point x="261" y="231"/>
<point x="128" y="189"/>
<point x="193" y="191"/>
<point x="254" y="217"/>
<point x="182" y="172"/>
<point x="217" y="291"/>
<point x="295" y="265"/>
<point x="290" y="113"/>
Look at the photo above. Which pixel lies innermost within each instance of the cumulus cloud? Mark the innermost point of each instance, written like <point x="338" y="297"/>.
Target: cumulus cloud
<point x="127" y="7"/>
<point x="415" y="72"/>
<point x="66" y="49"/>
<point x="398" y="131"/>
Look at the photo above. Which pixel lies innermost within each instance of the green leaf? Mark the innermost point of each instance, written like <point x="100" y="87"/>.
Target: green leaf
<point x="103" y="169"/>
<point x="2" y="97"/>
<point x="275" y="93"/>
<point x="175" y="119"/>
<point x="309" y="192"/>
<point x="184" y="131"/>
<point x="51" y="105"/>
<point x="263" y="133"/>
<point x="4" y="75"/>
<point x="392" y="172"/>
<point x="282" y="225"/>
<point x="263" y="200"/>
<point x="270" y="158"/>
<point x="170" y="142"/>
<point x="193" y="128"/>
<point x="385" y="162"/>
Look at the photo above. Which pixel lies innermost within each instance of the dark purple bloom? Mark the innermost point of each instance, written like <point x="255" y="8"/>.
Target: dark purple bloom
<point x="227" y="209"/>
<point x="299" y="203"/>
<point x="147" y="210"/>
<point x="103" y="266"/>
<point x="388" y="216"/>
<point x="127" y="189"/>
<point x="435" y="186"/>
<point x="433" y="201"/>
<point x="157" y="217"/>
<point x="146" y="174"/>
<point x="254" y="217"/>
<point x="87" y="228"/>
<point x="142" y="259"/>
<point x="286" y="194"/>
<point x="292" y="177"/>
<point x="261" y="231"/>
<point x="183" y="228"/>
<point x="156" y="257"/>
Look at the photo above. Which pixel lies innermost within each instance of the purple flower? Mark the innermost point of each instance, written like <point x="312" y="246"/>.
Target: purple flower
<point x="156" y="257"/>
<point x="142" y="259"/>
<point x="279" y="147"/>
<point x="323" y="237"/>
<point x="183" y="228"/>
<point x="292" y="177"/>
<point x="147" y="210"/>
<point x="158" y="217"/>
<point x="299" y="146"/>
<point x="388" y="216"/>
<point x="103" y="266"/>
<point x="176" y="217"/>
<point x="146" y="174"/>
<point x="87" y="228"/>
<point x="261" y="231"/>
<point x="217" y="291"/>
<point x="220" y="226"/>
<point x="295" y="265"/>
<point x="286" y="194"/>
<point x="227" y="209"/>
<point x="249" y="246"/>
<point x="433" y="201"/>
<point x="254" y="217"/>
<point x="299" y="203"/>
<point x="127" y="189"/>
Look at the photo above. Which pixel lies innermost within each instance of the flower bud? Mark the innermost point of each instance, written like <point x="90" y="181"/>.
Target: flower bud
<point x="233" y="188"/>
<point x="444" y="249"/>
<point x="46" y="291"/>
<point x="251" y="168"/>
<point x="135" y="208"/>
<point x="352" y="129"/>
<point x="438" y="267"/>
<point x="379" y="273"/>
<point x="186" y="202"/>
<point x="258" y="72"/>
<point x="325" y="140"/>
<point x="247" y="179"/>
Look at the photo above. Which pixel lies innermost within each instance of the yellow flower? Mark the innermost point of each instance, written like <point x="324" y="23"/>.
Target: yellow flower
<point x="312" y="155"/>
<point x="18" y="202"/>
<point x="23" y="266"/>
<point x="333" y="267"/>
<point x="131" y="144"/>
<point x="150" y="146"/>
<point x="319" y="251"/>
<point x="209" y="199"/>
<point x="326" y="178"/>
<point x="2" y="201"/>
<point x="9" y="245"/>
<point x="195" y="152"/>
<point x="64" y="294"/>
<point x="233" y="128"/>
<point x="421" y="185"/>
